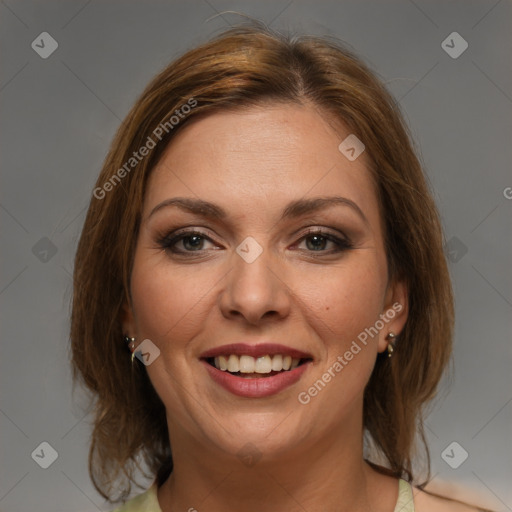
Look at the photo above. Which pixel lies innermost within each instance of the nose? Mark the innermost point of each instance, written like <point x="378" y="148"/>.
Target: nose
<point x="255" y="292"/>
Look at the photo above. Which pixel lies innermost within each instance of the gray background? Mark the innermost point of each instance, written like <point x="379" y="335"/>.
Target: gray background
<point x="60" y="113"/>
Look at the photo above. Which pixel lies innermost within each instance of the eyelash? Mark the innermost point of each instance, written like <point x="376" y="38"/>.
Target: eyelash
<point x="169" y="241"/>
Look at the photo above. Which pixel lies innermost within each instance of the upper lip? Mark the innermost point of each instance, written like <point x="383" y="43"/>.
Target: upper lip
<point x="262" y="349"/>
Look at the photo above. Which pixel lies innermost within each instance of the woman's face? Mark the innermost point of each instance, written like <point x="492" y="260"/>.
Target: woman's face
<point x="257" y="232"/>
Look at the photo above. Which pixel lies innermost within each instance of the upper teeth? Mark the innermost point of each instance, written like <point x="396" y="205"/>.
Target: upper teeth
<point x="249" y="364"/>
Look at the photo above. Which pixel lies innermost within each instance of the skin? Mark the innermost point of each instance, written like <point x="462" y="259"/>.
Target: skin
<point x="252" y="163"/>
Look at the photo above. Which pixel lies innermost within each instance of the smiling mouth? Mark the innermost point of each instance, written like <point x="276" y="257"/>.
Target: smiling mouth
<point x="256" y="367"/>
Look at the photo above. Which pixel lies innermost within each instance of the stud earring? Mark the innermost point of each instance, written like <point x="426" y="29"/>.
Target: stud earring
<point x="392" y="342"/>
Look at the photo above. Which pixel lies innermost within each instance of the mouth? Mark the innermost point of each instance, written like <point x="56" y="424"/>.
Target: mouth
<point x="255" y="371"/>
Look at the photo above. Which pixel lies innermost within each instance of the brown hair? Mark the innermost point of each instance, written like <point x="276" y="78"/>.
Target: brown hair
<point x="243" y="67"/>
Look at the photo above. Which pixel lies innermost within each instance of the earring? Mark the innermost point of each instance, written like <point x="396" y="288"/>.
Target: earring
<point x="392" y="342"/>
<point x="131" y="345"/>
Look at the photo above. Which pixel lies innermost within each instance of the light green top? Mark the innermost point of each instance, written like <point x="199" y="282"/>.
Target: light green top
<point x="148" y="502"/>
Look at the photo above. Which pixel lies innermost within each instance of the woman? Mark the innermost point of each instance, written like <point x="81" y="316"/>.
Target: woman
<point x="263" y="241"/>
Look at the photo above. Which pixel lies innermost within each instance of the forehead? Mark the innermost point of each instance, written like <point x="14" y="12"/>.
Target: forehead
<point x="262" y="157"/>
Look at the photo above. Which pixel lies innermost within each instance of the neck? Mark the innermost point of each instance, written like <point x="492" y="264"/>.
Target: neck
<point x="328" y="475"/>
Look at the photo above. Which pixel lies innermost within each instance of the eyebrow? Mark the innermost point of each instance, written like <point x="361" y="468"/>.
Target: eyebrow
<point x="293" y="210"/>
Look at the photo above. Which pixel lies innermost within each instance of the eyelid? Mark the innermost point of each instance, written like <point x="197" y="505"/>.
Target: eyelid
<point x="324" y="231"/>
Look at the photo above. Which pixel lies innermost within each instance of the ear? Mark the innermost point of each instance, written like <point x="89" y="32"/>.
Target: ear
<point x="394" y="313"/>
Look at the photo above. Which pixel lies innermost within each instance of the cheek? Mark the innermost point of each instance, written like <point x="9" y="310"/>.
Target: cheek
<point x="345" y="299"/>
<point x="169" y="302"/>
<point x="340" y="307"/>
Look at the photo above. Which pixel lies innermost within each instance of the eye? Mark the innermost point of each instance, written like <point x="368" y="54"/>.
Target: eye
<point x="185" y="241"/>
<point x="194" y="241"/>
<point x="318" y="241"/>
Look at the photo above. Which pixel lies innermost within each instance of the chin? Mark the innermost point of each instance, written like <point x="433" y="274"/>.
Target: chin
<point x="269" y="433"/>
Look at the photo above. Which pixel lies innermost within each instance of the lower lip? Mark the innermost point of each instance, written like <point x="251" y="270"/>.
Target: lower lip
<point x="258" y="387"/>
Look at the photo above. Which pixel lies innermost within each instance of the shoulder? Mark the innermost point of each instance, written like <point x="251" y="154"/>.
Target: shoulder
<point x="426" y="502"/>
<point x="145" y="502"/>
